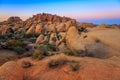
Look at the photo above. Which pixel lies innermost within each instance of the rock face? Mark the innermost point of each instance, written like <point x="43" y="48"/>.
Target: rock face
<point x="73" y="41"/>
<point x="40" y="39"/>
<point x="31" y="30"/>
<point x="38" y="29"/>
<point x="97" y="42"/>
<point x="11" y="71"/>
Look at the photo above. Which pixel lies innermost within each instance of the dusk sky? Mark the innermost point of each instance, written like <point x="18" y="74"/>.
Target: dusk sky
<point x="96" y="11"/>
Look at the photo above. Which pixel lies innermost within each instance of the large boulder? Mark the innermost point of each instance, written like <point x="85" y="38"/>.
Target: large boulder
<point x="70" y="23"/>
<point x="73" y="41"/>
<point x="53" y="39"/>
<point x="98" y="43"/>
<point x="31" y="30"/>
<point x="61" y="27"/>
<point x="38" y="29"/>
<point x="40" y="39"/>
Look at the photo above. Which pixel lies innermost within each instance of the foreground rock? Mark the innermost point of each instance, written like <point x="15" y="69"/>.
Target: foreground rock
<point x="89" y="69"/>
<point x="101" y="43"/>
<point x="11" y="71"/>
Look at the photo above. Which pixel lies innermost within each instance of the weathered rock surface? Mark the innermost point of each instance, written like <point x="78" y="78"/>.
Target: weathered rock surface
<point x="89" y="69"/>
<point x="40" y="39"/>
<point x="11" y="71"/>
<point x="73" y="41"/>
<point x="97" y="42"/>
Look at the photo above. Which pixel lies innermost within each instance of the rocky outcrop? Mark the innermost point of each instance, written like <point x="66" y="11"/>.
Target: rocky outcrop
<point x="44" y="17"/>
<point x="14" y="19"/>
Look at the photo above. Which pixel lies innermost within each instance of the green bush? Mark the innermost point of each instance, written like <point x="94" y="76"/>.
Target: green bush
<point x="29" y="35"/>
<point x="32" y="40"/>
<point x="38" y="54"/>
<point x="49" y="47"/>
<point x="19" y="50"/>
<point x="16" y="43"/>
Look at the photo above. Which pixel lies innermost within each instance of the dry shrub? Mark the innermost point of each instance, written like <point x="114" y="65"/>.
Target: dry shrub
<point x="57" y="62"/>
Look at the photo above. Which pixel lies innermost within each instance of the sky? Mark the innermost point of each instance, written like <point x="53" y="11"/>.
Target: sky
<point x="93" y="11"/>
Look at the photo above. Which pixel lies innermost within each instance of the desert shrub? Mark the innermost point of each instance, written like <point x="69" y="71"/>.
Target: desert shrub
<point x="29" y="35"/>
<point x="15" y="43"/>
<point x="32" y="40"/>
<point x="81" y="53"/>
<point x="19" y="50"/>
<point x="36" y="35"/>
<point x="90" y="55"/>
<point x="26" y="54"/>
<point x="57" y="62"/>
<point x="49" y="47"/>
<point x="68" y="53"/>
<point x="26" y="64"/>
<point x="1" y="36"/>
<point x="38" y="54"/>
<point x="82" y="29"/>
<point x="74" y="65"/>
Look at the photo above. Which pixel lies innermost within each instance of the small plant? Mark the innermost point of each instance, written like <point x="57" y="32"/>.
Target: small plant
<point x="68" y="53"/>
<point x="51" y="47"/>
<point x="29" y="35"/>
<point x="81" y="53"/>
<point x="38" y="54"/>
<point x="26" y="54"/>
<point x="26" y="64"/>
<point x="57" y="62"/>
<point x="15" y="43"/>
<point x="74" y="65"/>
<point x="90" y="55"/>
<point x="32" y="40"/>
<point x="48" y="47"/>
<point x="19" y="50"/>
